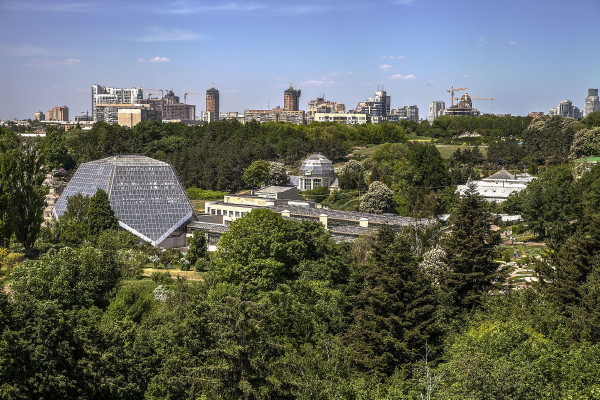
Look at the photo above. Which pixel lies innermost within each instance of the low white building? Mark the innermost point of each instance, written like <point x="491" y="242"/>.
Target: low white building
<point x="498" y="186"/>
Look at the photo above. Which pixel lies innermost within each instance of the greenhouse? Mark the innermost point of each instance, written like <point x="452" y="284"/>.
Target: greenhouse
<point x="144" y="193"/>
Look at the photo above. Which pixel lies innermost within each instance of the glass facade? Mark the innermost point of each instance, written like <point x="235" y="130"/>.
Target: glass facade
<point x="144" y="193"/>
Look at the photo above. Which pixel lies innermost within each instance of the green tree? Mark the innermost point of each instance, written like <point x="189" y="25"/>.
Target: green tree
<point x="352" y="176"/>
<point x="9" y="141"/>
<point x="470" y="248"/>
<point x="197" y="247"/>
<point x="586" y="143"/>
<point x="378" y="199"/>
<point x="72" y="227"/>
<point x="548" y="200"/>
<point x="257" y="174"/>
<point x="100" y="215"/>
<point x="28" y="195"/>
<point x="393" y="314"/>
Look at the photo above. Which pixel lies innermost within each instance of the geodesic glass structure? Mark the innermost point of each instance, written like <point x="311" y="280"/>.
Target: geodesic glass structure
<point x="315" y="171"/>
<point x="144" y="193"/>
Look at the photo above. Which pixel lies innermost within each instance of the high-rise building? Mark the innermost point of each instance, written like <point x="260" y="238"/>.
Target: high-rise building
<point x="377" y="108"/>
<point x="58" y="114"/>
<point x="39" y="116"/>
<point x="592" y="102"/>
<point x="436" y="108"/>
<point x="212" y="104"/>
<point x="172" y="109"/>
<point x="106" y="102"/>
<point x="291" y="99"/>
<point x="566" y="109"/>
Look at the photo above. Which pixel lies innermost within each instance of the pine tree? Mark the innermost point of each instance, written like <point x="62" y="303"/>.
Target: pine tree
<point x="393" y="314"/>
<point x="470" y="250"/>
<point x="100" y="215"/>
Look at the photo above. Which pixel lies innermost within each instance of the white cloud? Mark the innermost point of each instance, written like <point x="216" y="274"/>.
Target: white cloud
<point x="512" y="43"/>
<point x="33" y="6"/>
<point x="51" y="63"/>
<point x="168" y="35"/>
<point x="403" y="77"/>
<point x="404" y="2"/>
<point x="385" y="67"/>
<point x="154" y="60"/>
<point x="319" y="82"/>
<point x="392" y="57"/>
<point x="430" y="83"/>
<point x="480" y="41"/>
<point x="186" y="7"/>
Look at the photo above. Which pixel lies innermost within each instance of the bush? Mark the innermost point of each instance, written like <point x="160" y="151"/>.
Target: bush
<point x="319" y="194"/>
<point x="203" y="194"/>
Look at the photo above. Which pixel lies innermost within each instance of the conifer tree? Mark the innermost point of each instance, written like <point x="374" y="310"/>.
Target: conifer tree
<point x="393" y="314"/>
<point x="100" y="215"/>
<point x="470" y="250"/>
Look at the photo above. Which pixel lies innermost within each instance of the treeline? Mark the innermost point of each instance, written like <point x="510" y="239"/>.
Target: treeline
<point x="284" y="312"/>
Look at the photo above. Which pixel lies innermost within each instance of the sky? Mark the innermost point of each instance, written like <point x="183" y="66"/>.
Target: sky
<point x="526" y="54"/>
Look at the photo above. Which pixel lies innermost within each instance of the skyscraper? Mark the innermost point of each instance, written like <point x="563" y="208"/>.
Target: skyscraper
<point x="567" y="109"/>
<point x="592" y="102"/>
<point x="436" y="108"/>
<point x="291" y="99"/>
<point x="212" y="104"/>
<point x="377" y="108"/>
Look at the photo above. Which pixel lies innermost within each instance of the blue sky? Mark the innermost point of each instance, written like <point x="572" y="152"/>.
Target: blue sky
<point x="528" y="54"/>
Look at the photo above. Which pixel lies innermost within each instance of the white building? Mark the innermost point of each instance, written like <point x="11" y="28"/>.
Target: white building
<point x="436" y="108"/>
<point x="498" y="186"/>
<point x="348" y="119"/>
<point x="105" y="101"/>
<point x="567" y="109"/>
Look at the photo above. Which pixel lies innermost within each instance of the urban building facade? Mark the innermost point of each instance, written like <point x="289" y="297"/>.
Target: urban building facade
<point x="348" y="119"/>
<point x="58" y="114"/>
<point x="322" y="106"/>
<point x="275" y="115"/>
<point x="291" y="99"/>
<point x="39" y="116"/>
<point x="172" y="109"/>
<point x="592" y="102"/>
<point x="566" y="109"/>
<point x="377" y="108"/>
<point x="212" y="104"/>
<point x="106" y="101"/>
<point x="130" y="117"/>
<point x="497" y="187"/>
<point x="406" y="113"/>
<point x="436" y="108"/>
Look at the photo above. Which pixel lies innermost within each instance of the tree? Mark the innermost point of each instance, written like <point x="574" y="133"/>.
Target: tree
<point x="28" y="196"/>
<point x="393" y="314"/>
<point x="547" y="202"/>
<point x="100" y="215"/>
<point x="72" y="227"/>
<point x="352" y="176"/>
<point x="378" y="199"/>
<point x="196" y="247"/>
<point x="470" y="248"/>
<point x="277" y="174"/>
<point x="9" y="141"/>
<point x="586" y="143"/>
<point x="257" y="174"/>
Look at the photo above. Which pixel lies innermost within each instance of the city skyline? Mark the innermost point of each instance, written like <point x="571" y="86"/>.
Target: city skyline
<point x="529" y="57"/>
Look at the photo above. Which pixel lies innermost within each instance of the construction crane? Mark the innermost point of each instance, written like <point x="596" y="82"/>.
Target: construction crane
<point x="452" y="90"/>
<point x="185" y="96"/>
<point x="486" y="98"/>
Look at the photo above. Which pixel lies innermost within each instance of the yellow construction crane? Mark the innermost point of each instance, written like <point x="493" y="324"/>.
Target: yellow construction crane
<point x="185" y="96"/>
<point x="452" y="90"/>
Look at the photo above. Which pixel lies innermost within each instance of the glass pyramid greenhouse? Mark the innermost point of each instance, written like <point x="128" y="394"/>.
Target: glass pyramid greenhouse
<point x="144" y="193"/>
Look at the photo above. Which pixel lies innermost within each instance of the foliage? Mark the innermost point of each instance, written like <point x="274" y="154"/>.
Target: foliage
<point x="278" y="175"/>
<point x="378" y="199"/>
<point x="203" y="194"/>
<point x="586" y="143"/>
<point x="470" y="251"/>
<point x="257" y="174"/>
<point x="197" y="247"/>
<point x="100" y="215"/>
<point x="352" y="176"/>
<point x="70" y="277"/>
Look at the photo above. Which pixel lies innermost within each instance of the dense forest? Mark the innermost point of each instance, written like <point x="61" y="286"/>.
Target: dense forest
<point x="281" y="310"/>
